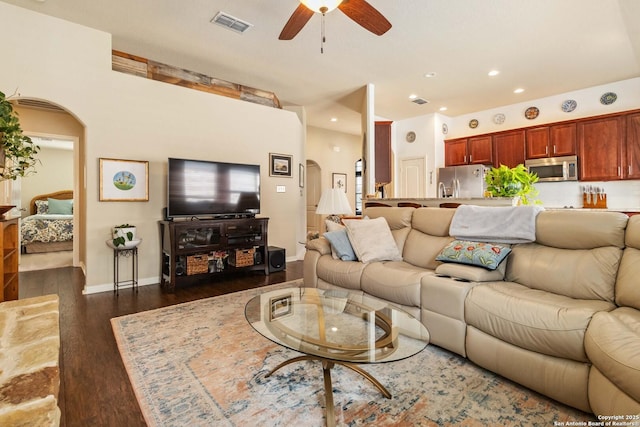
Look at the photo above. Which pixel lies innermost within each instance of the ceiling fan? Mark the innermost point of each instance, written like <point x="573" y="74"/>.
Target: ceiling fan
<point x="358" y="10"/>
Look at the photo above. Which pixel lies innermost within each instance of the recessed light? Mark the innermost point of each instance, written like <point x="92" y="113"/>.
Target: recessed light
<point x="493" y="73"/>
<point x="430" y="74"/>
<point x="519" y="90"/>
<point x="443" y="108"/>
<point x="334" y="119"/>
<point x="413" y="96"/>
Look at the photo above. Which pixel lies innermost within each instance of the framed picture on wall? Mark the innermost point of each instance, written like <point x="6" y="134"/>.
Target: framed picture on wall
<point x="124" y="180"/>
<point x="340" y="181"/>
<point x="280" y="165"/>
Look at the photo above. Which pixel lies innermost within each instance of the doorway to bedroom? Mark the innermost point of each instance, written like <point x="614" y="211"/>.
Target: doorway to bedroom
<point x="49" y="199"/>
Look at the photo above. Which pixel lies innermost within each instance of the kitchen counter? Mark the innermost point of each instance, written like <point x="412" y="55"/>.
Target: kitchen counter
<point x="435" y="202"/>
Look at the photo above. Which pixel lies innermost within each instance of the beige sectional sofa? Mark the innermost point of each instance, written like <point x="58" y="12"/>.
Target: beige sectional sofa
<point x="560" y="315"/>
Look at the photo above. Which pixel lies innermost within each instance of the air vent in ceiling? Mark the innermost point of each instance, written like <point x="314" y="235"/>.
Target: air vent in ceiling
<point x="420" y="101"/>
<point x="231" y="22"/>
<point x="38" y="104"/>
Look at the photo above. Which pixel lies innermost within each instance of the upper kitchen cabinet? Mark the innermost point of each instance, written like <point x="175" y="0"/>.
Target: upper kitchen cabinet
<point x="632" y="169"/>
<point x="383" y="152"/>
<point x="509" y="148"/>
<point x="455" y="152"/>
<point x="551" y="141"/>
<point x="468" y="151"/>
<point x="600" y="148"/>
<point x="480" y="150"/>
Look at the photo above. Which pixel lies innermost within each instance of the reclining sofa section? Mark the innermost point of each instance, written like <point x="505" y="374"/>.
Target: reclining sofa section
<point x="560" y="315"/>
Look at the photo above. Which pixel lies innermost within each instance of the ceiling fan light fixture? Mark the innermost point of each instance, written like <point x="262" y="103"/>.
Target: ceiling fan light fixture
<point x="321" y="6"/>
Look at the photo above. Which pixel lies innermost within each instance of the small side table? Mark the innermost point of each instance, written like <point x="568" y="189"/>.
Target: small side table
<point x="130" y="250"/>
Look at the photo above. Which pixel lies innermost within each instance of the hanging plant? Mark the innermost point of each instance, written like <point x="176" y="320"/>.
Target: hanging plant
<point x="17" y="151"/>
<point x="512" y="182"/>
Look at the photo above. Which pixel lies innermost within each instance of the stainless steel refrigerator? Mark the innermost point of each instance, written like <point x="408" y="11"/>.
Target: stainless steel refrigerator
<point x="462" y="181"/>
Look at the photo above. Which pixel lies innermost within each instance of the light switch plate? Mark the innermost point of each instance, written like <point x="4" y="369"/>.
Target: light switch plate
<point x="281" y="189"/>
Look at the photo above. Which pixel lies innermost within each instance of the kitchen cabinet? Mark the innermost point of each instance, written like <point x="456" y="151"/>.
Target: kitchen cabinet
<point x="383" y="152"/>
<point x="455" y="152"/>
<point x="551" y="141"/>
<point x="600" y="148"/>
<point x="632" y="167"/>
<point x="468" y="151"/>
<point x="509" y="148"/>
<point x="480" y="150"/>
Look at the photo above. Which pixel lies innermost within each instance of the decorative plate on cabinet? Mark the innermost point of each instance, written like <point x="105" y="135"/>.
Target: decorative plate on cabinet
<point x="411" y="136"/>
<point x="531" y="113"/>
<point x="473" y="123"/>
<point x="569" y="105"/>
<point x="499" y="118"/>
<point x="445" y="128"/>
<point x="608" y="98"/>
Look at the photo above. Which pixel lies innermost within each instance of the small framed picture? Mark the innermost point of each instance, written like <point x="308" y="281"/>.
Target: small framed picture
<point x="340" y="181"/>
<point x="124" y="180"/>
<point x="300" y="175"/>
<point x="280" y="165"/>
<point x="281" y="306"/>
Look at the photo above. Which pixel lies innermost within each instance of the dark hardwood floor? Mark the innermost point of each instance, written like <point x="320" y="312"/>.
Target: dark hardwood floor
<point x="94" y="386"/>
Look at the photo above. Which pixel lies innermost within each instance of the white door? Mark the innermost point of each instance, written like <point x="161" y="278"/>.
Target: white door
<point x="413" y="178"/>
<point x="313" y="196"/>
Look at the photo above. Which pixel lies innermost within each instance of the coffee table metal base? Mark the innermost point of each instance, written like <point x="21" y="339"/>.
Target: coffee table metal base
<point x="327" y="365"/>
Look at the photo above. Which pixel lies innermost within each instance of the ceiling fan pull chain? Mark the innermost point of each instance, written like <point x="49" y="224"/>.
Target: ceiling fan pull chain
<point x="323" y="39"/>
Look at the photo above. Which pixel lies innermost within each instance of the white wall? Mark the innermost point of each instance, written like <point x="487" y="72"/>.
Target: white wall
<point x="54" y="173"/>
<point x="322" y="146"/>
<point x="430" y="137"/>
<point x="128" y="117"/>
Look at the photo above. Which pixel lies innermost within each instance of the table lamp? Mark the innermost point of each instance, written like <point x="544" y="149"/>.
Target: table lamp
<point x="334" y="203"/>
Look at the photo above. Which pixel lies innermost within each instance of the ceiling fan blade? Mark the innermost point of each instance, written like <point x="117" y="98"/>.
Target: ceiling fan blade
<point x="298" y="20"/>
<point x="365" y="15"/>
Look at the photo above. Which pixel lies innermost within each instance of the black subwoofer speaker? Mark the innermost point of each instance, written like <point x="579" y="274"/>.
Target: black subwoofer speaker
<point x="276" y="259"/>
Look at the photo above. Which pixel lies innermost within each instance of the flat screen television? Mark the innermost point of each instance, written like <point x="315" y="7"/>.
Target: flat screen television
<point x="202" y="188"/>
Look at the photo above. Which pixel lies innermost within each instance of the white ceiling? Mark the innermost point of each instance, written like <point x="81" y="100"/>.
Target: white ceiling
<point x="544" y="46"/>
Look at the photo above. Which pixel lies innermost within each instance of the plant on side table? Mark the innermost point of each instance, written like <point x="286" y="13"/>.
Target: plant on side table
<point x="17" y="151"/>
<point x="514" y="182"/>
<point x="123" y="234"/>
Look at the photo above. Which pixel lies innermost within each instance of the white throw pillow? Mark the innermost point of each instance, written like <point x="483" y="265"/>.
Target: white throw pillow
<point x="372" y="240"/>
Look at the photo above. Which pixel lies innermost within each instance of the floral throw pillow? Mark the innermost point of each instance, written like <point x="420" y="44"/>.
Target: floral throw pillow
<point x="42" y="207"/>
<point x="480" y="254"/>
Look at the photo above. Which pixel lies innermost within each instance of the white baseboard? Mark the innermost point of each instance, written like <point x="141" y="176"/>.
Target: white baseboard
<point x="108" y="287"/>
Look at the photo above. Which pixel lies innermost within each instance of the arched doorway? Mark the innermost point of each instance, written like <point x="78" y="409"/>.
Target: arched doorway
<point x="50" y="122"/>
<point x="314" y="191"/>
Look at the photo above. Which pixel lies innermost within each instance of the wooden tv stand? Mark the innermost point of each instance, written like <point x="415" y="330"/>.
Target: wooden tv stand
<point x="198" y="250"/>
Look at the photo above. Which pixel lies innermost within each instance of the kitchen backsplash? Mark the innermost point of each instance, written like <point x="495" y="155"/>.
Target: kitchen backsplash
<point x="621" y="195"/>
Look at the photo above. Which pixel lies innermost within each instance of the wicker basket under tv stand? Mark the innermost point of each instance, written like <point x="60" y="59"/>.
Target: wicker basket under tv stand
<point x="198" y="250"/>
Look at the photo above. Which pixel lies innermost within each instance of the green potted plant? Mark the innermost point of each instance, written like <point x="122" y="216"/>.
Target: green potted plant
<point x="17" y="151"/>
<point x="123" y="235"/>
<point x="512" y="182"/>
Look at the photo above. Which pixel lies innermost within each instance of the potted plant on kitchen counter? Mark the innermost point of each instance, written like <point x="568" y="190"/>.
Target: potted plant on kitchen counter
<point x="514" y="182"/>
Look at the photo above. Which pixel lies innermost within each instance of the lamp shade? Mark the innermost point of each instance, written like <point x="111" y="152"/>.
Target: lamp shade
<point x="321" y="6"/>
<point x="334" y="202"/>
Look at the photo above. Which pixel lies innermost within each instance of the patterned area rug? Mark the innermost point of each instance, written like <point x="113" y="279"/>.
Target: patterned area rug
<point x="201" y="364"/>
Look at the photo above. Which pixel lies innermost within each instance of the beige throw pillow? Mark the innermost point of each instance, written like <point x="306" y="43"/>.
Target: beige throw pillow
<point x="372" y="240"/>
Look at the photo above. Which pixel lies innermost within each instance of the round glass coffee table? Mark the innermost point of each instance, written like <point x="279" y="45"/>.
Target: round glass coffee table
<point x="336" y="327"/>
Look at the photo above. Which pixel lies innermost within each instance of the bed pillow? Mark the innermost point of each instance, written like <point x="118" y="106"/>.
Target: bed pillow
<point x="481" y="254"/>
<point x="340" y="244"/>
<point x="372" y="240"/>
<point x="60" y="207"/>
<point x="42" y="207"/>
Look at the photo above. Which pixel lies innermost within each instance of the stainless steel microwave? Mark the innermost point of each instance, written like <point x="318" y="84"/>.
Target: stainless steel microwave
<point x="554" y="168"/>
